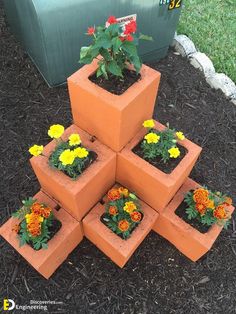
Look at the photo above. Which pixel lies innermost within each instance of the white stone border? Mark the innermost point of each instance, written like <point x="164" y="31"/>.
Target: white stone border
<point x="186" y="48"/>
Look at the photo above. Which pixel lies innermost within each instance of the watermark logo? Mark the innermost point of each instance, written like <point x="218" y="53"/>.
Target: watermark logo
<point x="8" y="304"/>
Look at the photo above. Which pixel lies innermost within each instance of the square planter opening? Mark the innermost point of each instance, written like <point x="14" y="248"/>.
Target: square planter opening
<point x="116" y="248"/>
<point x="187" y="239"/>
<point x="80" y="195"/>
<point x="151" y="184"/>
<point x="46" y="261"/>
<point x="113" y="119"/>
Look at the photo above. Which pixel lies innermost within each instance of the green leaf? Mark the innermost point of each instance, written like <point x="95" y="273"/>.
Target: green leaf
<point x="103" y="70"/>
<point x="145" y="37"/>
<point x="116" y="43"/>
<point x="113" y="68"/>
<point x="105" y="54"/>
<point x="130" y="48"/>
<point x="84" y="51"/>
<point x="103" y="41"/>
<point x="44" y="246"/>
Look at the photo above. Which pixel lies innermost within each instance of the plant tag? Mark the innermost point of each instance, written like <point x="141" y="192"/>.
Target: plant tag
<point x="124" y="20"/>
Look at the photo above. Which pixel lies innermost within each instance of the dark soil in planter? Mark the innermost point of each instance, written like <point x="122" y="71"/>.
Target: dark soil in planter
<point x="53" y="229"/>
<point x="158" y="279"/>
<point x="119" y="235"/>
<point x="195" y="223"/>
<point x="116" y="85"/>
<point x="166" y="167"/>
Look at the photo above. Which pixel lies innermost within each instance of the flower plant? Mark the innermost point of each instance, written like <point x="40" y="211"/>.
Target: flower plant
<point x="117" y="46"/>
<point x="123" y="212"/>
<point x="68" y="156"/>
<point x="160" y="143"/>
<point x="35" y="222"/>
<point x="208" y="207"/>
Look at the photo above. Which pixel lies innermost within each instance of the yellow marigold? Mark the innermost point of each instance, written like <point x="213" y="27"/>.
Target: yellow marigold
<point x="210" y="204"/>
<point x="74" y="139"/>
<point x="174" y="152"/>
<point x="56" y="131"/>
<point x="36" y="150"/>
<point x="129" y="207"/>
<point x="30" y="218"/>
<point x="180" y="135"/>
<point x="81" y="152"/>
<point x="149" y="123"/>
<point x="67" y="157"/>
<point x="152" y="138"/>
<point x="123" y="191"/>
<point x="200" y="196"/>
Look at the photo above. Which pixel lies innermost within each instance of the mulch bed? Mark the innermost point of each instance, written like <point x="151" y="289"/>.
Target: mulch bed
<point x="157" y="279"/>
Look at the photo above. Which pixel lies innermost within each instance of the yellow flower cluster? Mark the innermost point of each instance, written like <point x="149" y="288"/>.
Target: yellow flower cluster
<point x="129" y="207"/>
<point x="36" y="150"/>
<point x="152" y="138"/>
<point x="81" y="152"/>
<point x="149" y="123"/>
<point x="56" y="131"/>
<point x="74" y="139"/>
<point x="180" y="135"/>
<point x="68" y="156"/>
<point x="174" y="152"/>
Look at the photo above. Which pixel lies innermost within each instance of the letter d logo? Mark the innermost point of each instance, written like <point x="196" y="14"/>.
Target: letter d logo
<point x="8" y="304"/>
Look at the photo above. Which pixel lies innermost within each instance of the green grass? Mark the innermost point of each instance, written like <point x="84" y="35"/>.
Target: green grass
<point x="211" y="25"/>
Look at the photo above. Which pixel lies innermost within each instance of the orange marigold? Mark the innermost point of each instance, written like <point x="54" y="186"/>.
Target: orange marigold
<point x="113" y="210"/>
<point x="113" y="194"/>
<point x="201" y="208"/>
<point x="228" y="201"/>
<point x="220" y="212"/>
<point x="36" y="208"/>
<point x="46" y="211"/>
<point x="135" y="216"/>
<point x="34" y="228"/>
<point x="124" y="191"/>
<point x="200" y="196"/>
<point x="123" y="225"/>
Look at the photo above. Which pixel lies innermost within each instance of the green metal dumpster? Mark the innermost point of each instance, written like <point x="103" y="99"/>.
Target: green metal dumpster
<point x="53" y="31"/>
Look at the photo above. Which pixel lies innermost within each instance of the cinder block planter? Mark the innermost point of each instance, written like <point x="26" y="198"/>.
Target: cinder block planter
<point x="80" y="195"/>
<point x="117" y="249"/>
<point x="46" y="261"/>
<point x="113" y="119"/>
<point x="182" y="235"/>
<point x="152" y="185"/>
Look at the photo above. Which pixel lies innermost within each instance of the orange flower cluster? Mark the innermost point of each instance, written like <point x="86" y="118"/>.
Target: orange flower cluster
<point x="113" y="210"/>
<point x="116" y="193"/>
<point x="34" y="220"/>
<point x="135" y="216"/>
<point x="220" y="212"/>
<point x="123" y="225"/>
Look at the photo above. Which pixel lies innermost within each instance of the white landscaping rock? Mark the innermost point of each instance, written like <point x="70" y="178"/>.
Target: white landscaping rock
<point x="184" y="45"/>
<point x="223" y="82"/>
<point x="201" y="61"/>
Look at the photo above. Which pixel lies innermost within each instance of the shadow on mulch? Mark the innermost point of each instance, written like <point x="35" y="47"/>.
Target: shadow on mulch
<point x="157" y="279"/>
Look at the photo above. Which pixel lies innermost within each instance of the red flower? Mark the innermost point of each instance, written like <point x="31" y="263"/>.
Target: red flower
<point x="91" y="30"/>
<point x="122" y="38"/>
<point x="129" y="37"/>
<point x="130" y="27"/>
<point x="112" y="19"/>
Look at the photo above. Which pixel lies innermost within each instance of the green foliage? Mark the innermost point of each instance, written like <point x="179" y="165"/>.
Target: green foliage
<point x="112" y="221"/>
<point x="116" y="49"/>
<point x="153" y="150"/>
<point x="73" y="170"/>
<point x="25" y="209"/>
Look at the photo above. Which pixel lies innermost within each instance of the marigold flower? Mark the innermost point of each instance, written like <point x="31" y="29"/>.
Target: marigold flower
<point x="36" y="150"/>
<point x="174" y="152"/>
<point x="149" y="123"/>
<point x="74" y="139"/>
<point x="201" y="208"/>
<point x="220" y="212"/>
<point x="46" y="211"/>
<point x="129" y="207"/>
<point x="152" y="138"/>
<point x="135" y="216"/>
<point x="210" y="204"/>
<point x="123" y="191"/>
<point x="16" y="228"/>
<point x="67" y="157"/>
<point x="81" y="152"/>
<point x="56" y="131"/>
<point x="31" y="218"/>
<point x="112" y="19"/>
<point x="130" y="27"/>
<point x="91" y="30"/>
<point x="228" y="201"/>
<point x="113" y="194"/>
<point x="113" y="210"/>
<point x="180" y="135"/>
<point x="123" y="225"/>
<point x="34" y="229"/>
<point x="36" y="208"/>
<point x="200" y="196"/>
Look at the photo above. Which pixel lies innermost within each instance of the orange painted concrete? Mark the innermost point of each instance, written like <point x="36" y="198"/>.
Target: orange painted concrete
<point x="183" y="236"/>
<point x="46" y="261"/>
<point x="118" y="250"/>
<point x="113" y="119"/>
<point x="80" y="195"/>
<point x="152" y="185"/>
